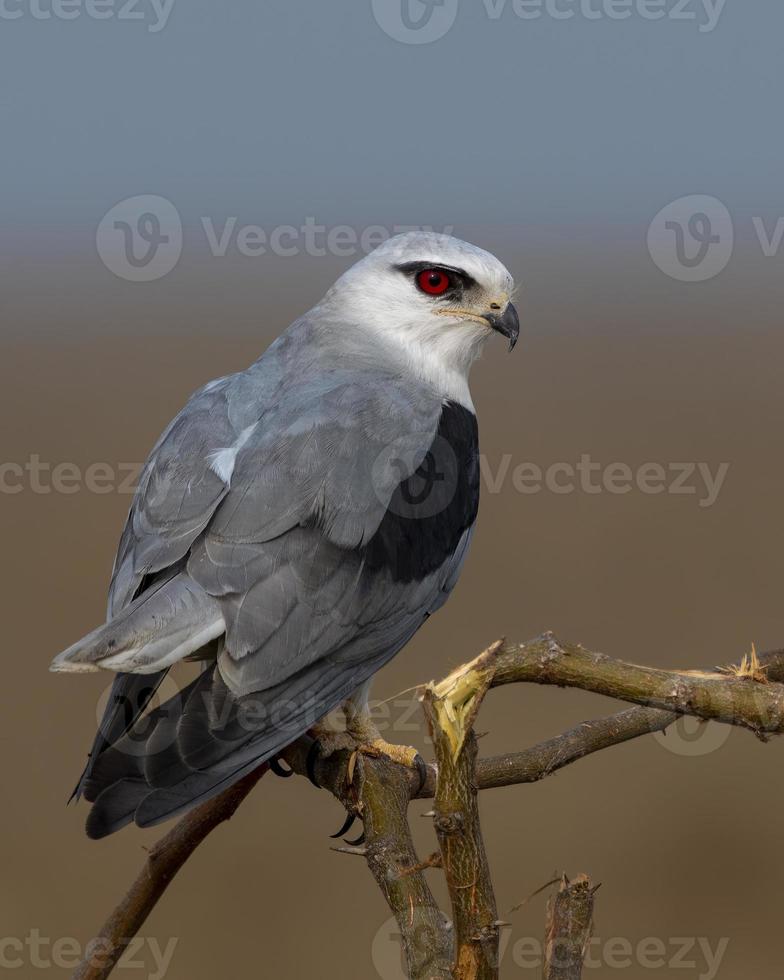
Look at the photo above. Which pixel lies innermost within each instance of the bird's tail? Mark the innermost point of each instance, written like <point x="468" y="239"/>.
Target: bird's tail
<point x="129" y="696"/>
<point x="203" y="739"/>
<point x="196" y="744"/>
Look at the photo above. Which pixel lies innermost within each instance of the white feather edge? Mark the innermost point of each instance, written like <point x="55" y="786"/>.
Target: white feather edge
<point x="139" y="659"/>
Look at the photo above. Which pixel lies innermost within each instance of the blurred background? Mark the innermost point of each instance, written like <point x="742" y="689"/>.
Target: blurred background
<point x="180" y="181"/>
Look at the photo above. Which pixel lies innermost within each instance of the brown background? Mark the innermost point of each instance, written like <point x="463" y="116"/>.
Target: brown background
<point x="614" y="360"/>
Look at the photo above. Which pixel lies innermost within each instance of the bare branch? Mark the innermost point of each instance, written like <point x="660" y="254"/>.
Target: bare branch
<point x="739" y="696"/>
<point x="568" y="929"/>
<point x="746" y="700"/>
<point x="539" y="761"/>
<point x="399" y="873"/>
<point x="450" y="709"/>
<point x="163" y="862"/>
<point x="379" y="793"/>
<point x="528" y="766"/>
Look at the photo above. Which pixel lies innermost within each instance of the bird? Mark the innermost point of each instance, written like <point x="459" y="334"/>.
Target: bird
<point x="292" y="529"/>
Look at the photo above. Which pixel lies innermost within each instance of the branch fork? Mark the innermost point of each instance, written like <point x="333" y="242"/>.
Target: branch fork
<point x="749" y="695"/>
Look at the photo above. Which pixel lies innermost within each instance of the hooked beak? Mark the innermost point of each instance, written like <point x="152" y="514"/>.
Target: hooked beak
<point x="506" y="323"/>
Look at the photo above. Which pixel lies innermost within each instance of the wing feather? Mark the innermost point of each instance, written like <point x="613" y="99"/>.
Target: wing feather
<point x="321" y="569"/>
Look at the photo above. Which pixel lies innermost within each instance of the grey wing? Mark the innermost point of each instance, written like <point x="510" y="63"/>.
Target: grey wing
<point x="230" y="477"/>
<point x="311" y="607"/>
<point x="284" y="552"/>
<point x="178" y="492"/>
<point x="176" y="496"/>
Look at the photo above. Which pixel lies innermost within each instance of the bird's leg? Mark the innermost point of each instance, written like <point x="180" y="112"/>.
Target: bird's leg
<point x="361" y="727"/>
<point x="330" y="739"/>
<point x="326" y="740"/>
<point x="360" y="735"/>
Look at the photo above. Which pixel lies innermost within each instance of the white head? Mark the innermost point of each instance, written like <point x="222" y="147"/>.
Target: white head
<point x="432" y="300"/>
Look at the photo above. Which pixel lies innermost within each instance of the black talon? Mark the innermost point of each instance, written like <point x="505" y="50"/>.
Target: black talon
<point x="350" y="818"/>
<point x="421" y="767"/>
<point x="358" y="841"/>
<point x="310" y="763"/>
<point x="277" y="768"/>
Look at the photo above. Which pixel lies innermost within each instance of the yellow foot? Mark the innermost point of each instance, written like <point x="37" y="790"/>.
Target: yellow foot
<point x="404" y="755"/>
<point x="327" y="742"/>
<point x="377" y="748"/>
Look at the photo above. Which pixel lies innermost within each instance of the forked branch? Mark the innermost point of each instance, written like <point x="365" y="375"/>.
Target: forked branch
<point x="750" y="695"/>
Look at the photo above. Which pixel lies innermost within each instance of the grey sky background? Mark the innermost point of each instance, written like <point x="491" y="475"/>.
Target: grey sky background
<point x="283" y="109"/>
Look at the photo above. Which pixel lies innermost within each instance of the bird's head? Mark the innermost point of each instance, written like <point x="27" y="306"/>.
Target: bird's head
<point x="435" y="297"/>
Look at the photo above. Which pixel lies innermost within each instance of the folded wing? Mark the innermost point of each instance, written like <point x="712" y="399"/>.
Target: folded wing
<point x="307" y="535"/>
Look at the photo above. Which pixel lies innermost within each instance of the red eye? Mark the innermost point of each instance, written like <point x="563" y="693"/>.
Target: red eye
<point x="433" y="281"/>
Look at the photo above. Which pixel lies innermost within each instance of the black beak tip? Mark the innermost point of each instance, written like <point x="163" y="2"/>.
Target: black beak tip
<point x="507" y="324"/>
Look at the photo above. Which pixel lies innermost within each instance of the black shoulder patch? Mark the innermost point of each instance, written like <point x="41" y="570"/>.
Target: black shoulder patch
<point x="431" y="509"/>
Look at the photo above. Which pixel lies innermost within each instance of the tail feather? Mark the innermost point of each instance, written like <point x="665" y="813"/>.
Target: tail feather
<point x="157" y="629"/>
<point x="115" y="807"/>
<point x="164" y="804"/>
<point x="204" y="739"/>
<point x="130" y="695"/>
